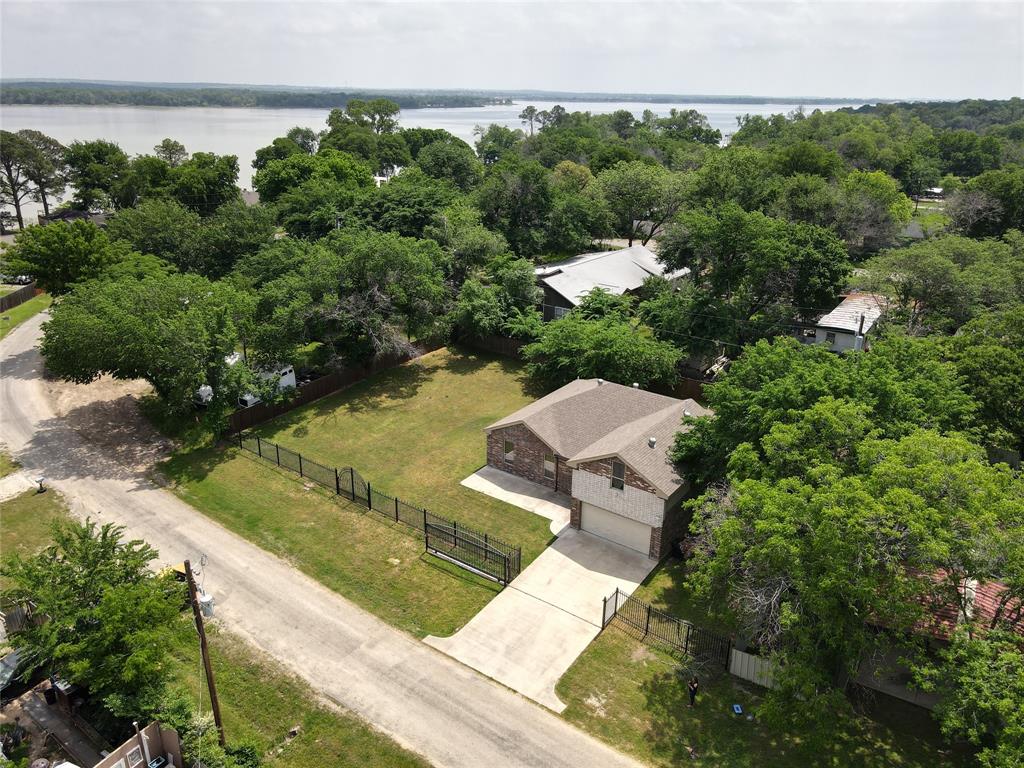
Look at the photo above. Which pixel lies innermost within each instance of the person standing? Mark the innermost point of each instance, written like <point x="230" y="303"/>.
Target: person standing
<point x="691" y="688"/>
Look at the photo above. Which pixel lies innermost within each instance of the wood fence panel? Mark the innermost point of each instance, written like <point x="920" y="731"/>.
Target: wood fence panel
<point x="20" y="296"/>
<point x="753" y="668"/>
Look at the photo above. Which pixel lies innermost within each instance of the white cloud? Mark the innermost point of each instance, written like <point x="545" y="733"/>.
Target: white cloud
<point x="920" y="49"/>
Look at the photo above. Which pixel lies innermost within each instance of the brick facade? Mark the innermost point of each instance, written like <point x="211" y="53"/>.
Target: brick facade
<point x="529" y="457"/>
<point x="576" y="514"/>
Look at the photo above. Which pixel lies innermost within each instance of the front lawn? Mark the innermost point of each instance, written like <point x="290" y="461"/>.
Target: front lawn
<point x="25" y="522"/>
<point x="12" y="318"/>
<point x="379" y="565"/>
<point x="633" y="696"/>
<point x="8" y="466"/>
<point x="416" y="431"/>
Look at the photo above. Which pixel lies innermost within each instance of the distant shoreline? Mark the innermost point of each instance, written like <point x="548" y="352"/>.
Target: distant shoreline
<point x="90" y="93"/>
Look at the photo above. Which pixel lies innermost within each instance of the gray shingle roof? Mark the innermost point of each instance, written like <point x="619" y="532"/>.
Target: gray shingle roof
<point x="615" y="271"/>
<point x="586" y="420"/>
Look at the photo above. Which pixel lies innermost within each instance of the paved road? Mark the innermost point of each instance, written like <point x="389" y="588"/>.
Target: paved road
<point x="427" y="702"/>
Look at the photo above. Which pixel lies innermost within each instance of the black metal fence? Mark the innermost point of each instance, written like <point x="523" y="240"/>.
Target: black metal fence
<point x="655" y="625"/>
<point x="471" y="549"/>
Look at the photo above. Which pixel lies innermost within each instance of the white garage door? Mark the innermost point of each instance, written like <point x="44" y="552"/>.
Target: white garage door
<point x="621" y="530"/>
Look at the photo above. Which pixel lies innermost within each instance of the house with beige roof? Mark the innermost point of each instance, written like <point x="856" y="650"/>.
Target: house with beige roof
<point x="606" y="446"/>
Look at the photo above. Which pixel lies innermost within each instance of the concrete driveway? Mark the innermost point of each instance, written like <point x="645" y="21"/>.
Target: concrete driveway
<point x="531" y="633"/>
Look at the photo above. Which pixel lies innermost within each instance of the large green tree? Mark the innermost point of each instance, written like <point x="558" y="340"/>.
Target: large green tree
<point x="96" y="170"/>
<point x="173" y="330"/>
<point x="611" y="347"/>
<point x="641" y="198"/>
<point x="64" y="253"/>
<point x="108" y="623"/>
<point x="15" y="186"/>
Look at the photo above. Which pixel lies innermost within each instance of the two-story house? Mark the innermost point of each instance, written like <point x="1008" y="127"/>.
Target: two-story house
<point x="606" y="446"/>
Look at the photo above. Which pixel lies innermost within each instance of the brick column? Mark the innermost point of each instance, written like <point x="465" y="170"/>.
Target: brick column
<point x="576" y="514"/>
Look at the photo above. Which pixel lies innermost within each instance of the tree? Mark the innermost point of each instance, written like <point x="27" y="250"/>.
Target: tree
<point x="498" y="300"/>
<point x="305" y="138"/>
<point x="454" y="162"/>
<point x="205" y="182"/>
<point x="407" y="204"/>
<point x="15" y="153"/>
<point x="109" y="623"/>
<point x="812" y="565"/>
<point x="872" y="209"/>
<point x="904" y="382"/>
<point x="528" y="117"/>
<point x="391" y="154"/>
<point x="938" y="284"/>
<point x="232" y="232"/>
<point x="279" y="149"/>
<point x="96" y="169"/>
<point x="641" y="198"/>
<point x="611" y="348"/>
<point x="688" y="125"/>
<point x="44" y="167"/>
<point x="742" y="175"/>
<point x="496" y="141"/>
<point x="755" y="273"/>
<point x="1004" y="192"/>
<point x="515" y="199"/>
<point x="163" y="228"/>
<point x="278" y="176"/>
<point x="468" y="243"/>
<point x="171" y="152"/>
<point x="980" y="680"/>
<point x="989" y="353"/>
<point x="64" y="253"/>
<point x="173" y="330"/>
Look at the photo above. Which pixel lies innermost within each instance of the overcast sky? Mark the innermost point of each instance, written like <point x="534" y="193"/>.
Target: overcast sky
<point x="845" y="49"/>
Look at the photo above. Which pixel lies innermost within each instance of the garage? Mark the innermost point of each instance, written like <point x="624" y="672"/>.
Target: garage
<point x="621" y="530"/>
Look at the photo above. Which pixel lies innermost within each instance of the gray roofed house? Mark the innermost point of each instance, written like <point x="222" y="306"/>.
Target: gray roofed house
<point x="566" y="282"/>
<point x="607" y="446"/>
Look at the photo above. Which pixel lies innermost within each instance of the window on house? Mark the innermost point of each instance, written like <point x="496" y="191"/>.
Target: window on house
<point x="618" y="475"/>
<point x="510" y="451"/>
<point x="549" y="466"/>
<point x="830" y="338"/>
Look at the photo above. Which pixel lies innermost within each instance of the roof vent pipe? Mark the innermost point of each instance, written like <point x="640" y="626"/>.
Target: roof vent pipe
<point x="600" y="382"/>
<point x="652" y="441"/>
<point x="635" y="385"/>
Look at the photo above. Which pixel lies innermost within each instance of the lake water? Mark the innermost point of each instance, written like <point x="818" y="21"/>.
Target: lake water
<point x="242" y="131"/>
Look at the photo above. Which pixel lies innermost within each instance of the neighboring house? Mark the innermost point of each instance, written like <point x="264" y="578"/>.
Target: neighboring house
<point x="69" y="215"/>
<point x="566" y="282"/>
<point x="607" y="447"/>
<point x="984" y="603"/>
<point x="847" y="326"/>
<point x="152" y="747"/>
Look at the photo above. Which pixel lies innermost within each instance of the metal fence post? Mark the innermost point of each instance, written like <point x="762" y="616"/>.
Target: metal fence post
<point x="259" y="446"/>
<point x="455" y="532"/>
<point x="486" y="547"/>
<point x="240" y="440"/>
<point x="300" y="466"/>
<point x="426" y="533"/>
<point x="369" y="496"/>
<point x="337" y="482"/>
<point x="647" y="625"/>
<point x="352" y="482"/>
<point x="604" y="612"/>
<point x="396" y="509"/>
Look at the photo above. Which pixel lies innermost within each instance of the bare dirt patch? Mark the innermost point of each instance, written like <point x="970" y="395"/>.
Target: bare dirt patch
<point x="596" y="702"/>
<point x="641" y="654"/>
<point x="106" y="413"/>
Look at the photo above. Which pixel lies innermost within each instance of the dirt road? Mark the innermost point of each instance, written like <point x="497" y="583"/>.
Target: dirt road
<point x="424" y="700"/>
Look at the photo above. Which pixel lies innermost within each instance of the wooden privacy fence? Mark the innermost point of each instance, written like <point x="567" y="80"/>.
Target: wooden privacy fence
<point x="499" y="345"/>
<point x="658" y="626"/>
<point x="471" y="549"/>
<point x="753" y="668"/>
<point x="247" y="418"/>
<point x="20" y="296"/>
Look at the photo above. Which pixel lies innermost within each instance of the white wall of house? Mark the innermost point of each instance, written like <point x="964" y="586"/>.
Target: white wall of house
<point x="629" y="501"/>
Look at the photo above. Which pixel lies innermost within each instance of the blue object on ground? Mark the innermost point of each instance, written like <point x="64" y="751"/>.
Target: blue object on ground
<point x="737" y="709"/>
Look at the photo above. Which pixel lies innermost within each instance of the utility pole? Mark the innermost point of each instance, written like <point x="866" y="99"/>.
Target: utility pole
<point x="197" y="612"/>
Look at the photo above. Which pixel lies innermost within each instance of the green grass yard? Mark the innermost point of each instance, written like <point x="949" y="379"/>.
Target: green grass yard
<point x="25" y="522"/>
<point x="633" y="696"/>
<point x="261" y="701"/>
<point x="10" y="319"/>
<point x="376" y="564"/>
<point x="414" y="431"/>
<point x="8" y="466"/>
